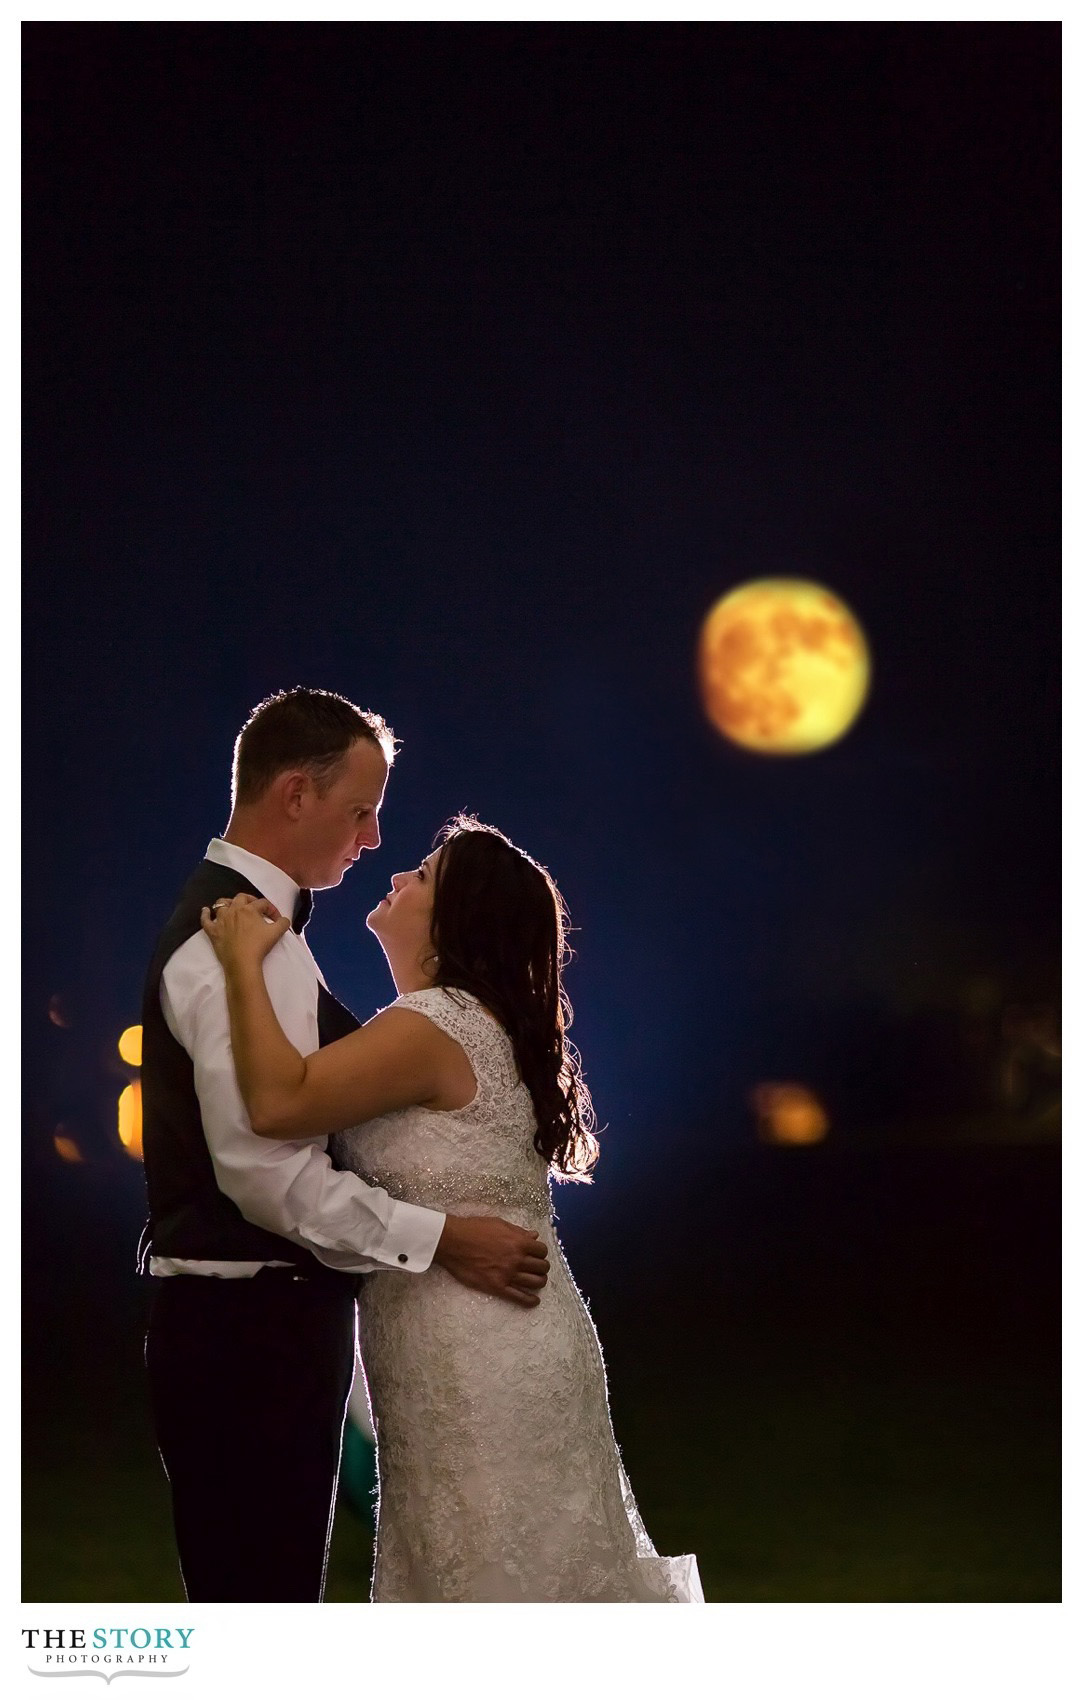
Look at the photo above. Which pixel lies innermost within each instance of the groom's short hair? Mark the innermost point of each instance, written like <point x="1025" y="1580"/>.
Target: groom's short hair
<point x="305" y="729"/>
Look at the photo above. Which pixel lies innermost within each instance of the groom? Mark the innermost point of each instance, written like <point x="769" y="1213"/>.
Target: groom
<point x="255" y="1245"/>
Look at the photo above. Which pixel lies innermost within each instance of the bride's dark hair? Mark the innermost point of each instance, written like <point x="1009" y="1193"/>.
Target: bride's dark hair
<point x="498" y="930"/>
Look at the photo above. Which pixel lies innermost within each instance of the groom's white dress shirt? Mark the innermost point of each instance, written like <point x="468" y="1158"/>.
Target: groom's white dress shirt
<point x="287" y="1186"/>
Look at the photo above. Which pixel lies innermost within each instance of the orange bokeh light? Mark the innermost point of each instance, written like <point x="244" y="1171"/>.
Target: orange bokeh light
<point x="67" y="1149"/>
<point x="130" y="1119"/>
<point x="788" y="1114"/>
<point x="130" y="1046"/>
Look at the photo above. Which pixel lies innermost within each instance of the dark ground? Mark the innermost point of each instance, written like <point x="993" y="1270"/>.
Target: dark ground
<point x="834" y="1376"/>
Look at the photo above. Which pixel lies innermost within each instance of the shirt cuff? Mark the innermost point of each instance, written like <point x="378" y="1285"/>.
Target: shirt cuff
<point x="413" y="1234"/>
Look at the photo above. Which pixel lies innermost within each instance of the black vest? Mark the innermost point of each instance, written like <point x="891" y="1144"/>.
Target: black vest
<point x="189" y="1215"/>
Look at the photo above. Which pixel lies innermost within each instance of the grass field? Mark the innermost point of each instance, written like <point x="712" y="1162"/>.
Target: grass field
<point x="821" y="1490"/>
<point x="866" y="1450"/>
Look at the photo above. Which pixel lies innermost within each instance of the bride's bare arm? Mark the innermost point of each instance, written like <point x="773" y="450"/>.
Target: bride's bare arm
<point x="398" y="1058"/>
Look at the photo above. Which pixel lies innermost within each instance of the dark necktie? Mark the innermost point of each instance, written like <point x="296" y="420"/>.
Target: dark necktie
<point x="302" y="909"/>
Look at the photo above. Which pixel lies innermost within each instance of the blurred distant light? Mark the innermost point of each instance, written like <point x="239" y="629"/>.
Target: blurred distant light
<point x="130" y="1119"/>
<point x="67" y="1149"/>
<point x="1030" y="1067"/>
<point x="981" y="997"/>
<point x="130" y="1046"/>
<point x="58" y="1013"/>
<point x="788" y="1114"/>
<point x="783" y="666"/>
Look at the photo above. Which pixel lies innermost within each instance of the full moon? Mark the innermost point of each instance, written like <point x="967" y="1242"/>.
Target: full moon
<point x="783" y="666"/>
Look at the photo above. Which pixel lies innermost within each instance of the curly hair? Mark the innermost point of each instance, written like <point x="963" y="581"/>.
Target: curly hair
<point x="499" y="928"/>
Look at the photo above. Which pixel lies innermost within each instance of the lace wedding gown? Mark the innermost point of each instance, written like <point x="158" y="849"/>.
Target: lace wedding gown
<point x="499" y="1473"/>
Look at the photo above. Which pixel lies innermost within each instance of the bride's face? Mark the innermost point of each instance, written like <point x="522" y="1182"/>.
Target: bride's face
<point x="402" y="921"/>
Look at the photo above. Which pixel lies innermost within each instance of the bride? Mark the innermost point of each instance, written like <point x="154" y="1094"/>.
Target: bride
<point x="499" y="1474"/>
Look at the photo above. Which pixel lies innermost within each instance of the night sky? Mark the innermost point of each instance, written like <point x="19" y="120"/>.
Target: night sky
<point x="460" y="368"/>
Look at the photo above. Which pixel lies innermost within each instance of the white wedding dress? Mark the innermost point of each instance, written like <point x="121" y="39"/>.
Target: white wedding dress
<point x="499" y="1474"/>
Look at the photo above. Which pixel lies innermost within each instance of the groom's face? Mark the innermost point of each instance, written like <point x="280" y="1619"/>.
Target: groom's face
<point x="336" y="827"/>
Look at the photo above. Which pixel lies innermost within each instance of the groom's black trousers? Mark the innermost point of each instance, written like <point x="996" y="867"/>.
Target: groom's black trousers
<point x="249" y="1380"/>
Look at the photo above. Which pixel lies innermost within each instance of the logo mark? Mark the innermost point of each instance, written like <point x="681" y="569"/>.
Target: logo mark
<point x="109" y="1676"/>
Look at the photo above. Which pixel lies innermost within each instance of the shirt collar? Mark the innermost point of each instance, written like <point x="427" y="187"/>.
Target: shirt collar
<point x="267" y="878"/>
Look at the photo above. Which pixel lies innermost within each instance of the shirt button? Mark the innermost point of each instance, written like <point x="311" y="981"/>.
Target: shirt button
<point x="403" y="1257"/>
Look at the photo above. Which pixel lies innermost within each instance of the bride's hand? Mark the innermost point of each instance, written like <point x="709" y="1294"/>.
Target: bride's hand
<point x="243" y="929"/>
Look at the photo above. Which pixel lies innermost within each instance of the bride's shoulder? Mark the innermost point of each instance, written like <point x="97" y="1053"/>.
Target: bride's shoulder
<point x="452" y="1008"/>
<point x="428" y="998"/>
<point x="443" y="1008"/>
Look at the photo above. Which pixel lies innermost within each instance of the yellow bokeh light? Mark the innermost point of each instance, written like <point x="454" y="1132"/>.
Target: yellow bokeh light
<point x="130" y="1119"/>
<point x="67" y="1149"/>
<point x="783" y="666"/>
<point x="130" y="1046"/>
<point x="788" y="1114"/>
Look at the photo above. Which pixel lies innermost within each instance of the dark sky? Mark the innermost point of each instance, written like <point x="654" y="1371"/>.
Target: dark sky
<point x="460" y="368"/>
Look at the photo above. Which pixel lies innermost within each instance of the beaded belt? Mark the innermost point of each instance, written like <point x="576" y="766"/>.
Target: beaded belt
<point x="438" y="1188"/>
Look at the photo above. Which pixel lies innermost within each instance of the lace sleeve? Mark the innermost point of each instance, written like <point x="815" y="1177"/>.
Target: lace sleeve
<point x="460" y="1016"/>
<point x="453" y="1018"/>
